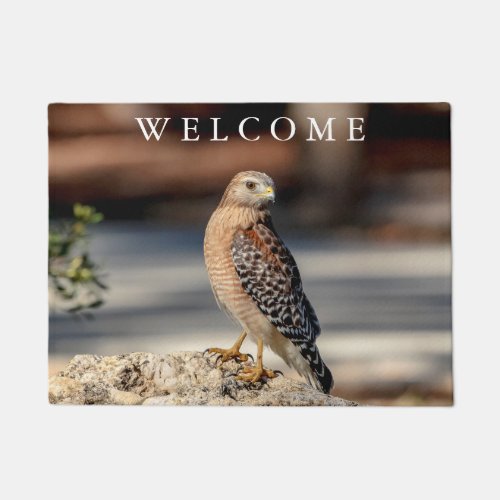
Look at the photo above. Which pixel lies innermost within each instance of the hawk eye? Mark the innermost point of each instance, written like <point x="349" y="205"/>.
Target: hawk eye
<point x="250" y="185"/>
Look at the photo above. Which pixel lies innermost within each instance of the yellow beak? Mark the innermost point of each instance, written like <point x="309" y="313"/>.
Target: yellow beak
<point x="270" y="193"/>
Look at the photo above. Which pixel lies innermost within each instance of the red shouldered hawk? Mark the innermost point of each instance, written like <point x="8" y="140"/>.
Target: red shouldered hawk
<point x="256" y="281"/>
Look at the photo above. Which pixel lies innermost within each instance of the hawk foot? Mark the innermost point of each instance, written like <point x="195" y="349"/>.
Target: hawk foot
<point x="227" y="354"/>
<point x="255" y="374"/>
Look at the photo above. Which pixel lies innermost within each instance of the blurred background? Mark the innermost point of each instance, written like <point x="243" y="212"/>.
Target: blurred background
<point x="368" y="223"/>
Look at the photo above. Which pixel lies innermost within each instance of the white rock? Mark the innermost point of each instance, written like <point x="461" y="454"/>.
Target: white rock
<point x="180" y="378"/>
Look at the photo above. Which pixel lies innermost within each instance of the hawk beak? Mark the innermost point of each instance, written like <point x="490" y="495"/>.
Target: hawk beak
<point x="270" y="194"/>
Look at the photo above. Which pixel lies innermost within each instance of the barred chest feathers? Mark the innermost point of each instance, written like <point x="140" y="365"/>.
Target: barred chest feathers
<point x="225" y="282"/>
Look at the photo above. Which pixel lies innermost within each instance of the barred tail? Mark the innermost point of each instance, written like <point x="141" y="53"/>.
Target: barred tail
<point x="325" y="379"/>
<point x="320" y="376"/>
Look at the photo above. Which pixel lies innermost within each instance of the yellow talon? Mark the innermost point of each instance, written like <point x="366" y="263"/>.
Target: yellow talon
<point x="231" y="353"/>
<point x="255" y="373"/>
<point x="228" y="354"/>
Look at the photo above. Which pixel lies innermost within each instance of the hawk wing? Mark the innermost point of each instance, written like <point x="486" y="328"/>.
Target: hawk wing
<point x="269" y="274"/>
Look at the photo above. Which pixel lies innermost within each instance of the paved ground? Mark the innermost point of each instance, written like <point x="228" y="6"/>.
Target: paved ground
<point x="385" y="309"/>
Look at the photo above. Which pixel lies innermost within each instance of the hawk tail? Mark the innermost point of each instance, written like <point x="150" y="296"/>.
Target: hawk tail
<point x="320" y="376"/>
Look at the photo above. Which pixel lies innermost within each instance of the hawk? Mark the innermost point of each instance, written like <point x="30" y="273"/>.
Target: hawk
<point x="256" y="282"/>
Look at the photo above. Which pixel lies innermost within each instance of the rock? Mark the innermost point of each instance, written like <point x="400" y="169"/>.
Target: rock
<point x="65" y="390"/>
<point x="182" y="378"/>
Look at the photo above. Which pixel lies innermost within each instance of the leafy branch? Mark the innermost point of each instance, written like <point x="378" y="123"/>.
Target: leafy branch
<point x="73" y="277"/>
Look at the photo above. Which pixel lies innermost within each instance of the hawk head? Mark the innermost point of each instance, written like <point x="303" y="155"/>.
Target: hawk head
<point x="250" y="189"/>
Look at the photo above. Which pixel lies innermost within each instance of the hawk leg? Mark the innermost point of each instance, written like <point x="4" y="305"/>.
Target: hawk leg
<point x="255" y="373"/>
<point x="233" y="352"/>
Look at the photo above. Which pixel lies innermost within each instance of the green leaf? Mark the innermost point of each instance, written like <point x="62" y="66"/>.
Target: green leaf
<point x="75" y="309"/>
<point x="78" y="210"/>
<point x="96" y="218"/>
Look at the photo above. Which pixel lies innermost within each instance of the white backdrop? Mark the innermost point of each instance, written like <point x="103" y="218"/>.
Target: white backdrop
<point x="259" y="51"/>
